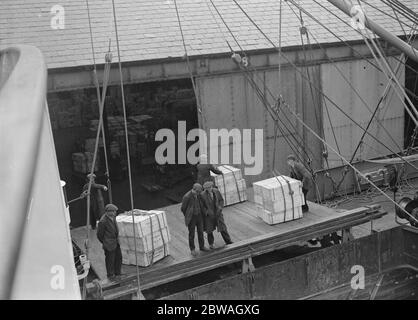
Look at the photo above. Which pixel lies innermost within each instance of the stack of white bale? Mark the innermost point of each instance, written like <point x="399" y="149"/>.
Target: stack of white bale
<point x="152" y="236"/>
<point x="231" y="185"/>
<point x="278" y="199"/>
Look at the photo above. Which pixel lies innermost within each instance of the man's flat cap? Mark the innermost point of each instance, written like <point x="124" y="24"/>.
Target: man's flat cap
<point x="111" y="207"/>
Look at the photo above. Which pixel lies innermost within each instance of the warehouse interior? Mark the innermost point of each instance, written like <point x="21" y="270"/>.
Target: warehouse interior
<point x="150" y="107"/>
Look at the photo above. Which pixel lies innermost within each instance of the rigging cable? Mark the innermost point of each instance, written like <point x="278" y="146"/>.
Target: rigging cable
<point x="316" y="88"/>
<point x="96" y="83"/>
<point x="101" y="107"/>
<point x="349" y="164"/>
<point x="259" y="93"/>
<point x="354" y="50"/>
<point x="199" y="105"/>
<point x="139" y="293"/>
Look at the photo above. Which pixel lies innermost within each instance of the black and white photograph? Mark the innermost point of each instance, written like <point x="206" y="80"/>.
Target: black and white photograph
<point x="233" y="152"/>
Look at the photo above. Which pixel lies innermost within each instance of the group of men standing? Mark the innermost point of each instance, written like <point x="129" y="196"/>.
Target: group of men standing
<point x="202" y="208"/>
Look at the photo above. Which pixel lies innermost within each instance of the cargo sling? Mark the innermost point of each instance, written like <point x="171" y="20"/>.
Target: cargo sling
<point x="291" y="193"/>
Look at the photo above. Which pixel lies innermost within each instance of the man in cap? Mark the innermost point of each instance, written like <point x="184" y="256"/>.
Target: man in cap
<point x="107" y="233"/>
<point x="96" y="199"/>
<point x="214" y="219"/>
<point x="193" y="210"/>
<point x="299" y="172"/>
<point x="204" y="169"/>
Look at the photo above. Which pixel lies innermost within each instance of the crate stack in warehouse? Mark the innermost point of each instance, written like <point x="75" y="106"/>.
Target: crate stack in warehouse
<point x="278" y="199"/>
<point x="231" y="184"/>
<point x="152" y="236"/>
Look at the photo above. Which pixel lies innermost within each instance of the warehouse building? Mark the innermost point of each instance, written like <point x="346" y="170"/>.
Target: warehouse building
<point x="159" y="91"/>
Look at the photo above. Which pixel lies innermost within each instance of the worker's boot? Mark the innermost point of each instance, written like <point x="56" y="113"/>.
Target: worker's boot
<point x="305" y="208"/>
<point x="212" y="246"/>
<point x="204" y="249"/>
<point x="194" y="253"/>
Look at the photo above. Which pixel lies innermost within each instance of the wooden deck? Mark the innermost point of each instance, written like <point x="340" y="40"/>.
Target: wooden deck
<point x="243" y="225"/>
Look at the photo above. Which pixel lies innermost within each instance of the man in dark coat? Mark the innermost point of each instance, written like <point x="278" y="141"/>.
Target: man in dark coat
<point x="107" y="233"/>
<point x="96" y="199"/>
<point x="204" y="169"/>
<point x="299" y="172"/>
<point x="193" y="210"/>
<point x="214" y="219"/>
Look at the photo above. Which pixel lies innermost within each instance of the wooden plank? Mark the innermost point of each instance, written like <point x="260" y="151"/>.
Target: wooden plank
<point x="245" y="229"/>
<point x="237" y="252"/>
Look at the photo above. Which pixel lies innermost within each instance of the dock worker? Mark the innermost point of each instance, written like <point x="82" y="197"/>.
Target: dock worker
<point x="193" y="211"/>
<point x="107" y="233"/>
<point x="204" y="169"/>
<point x="96" y="199"/>
<point x="299" y="172"/>
<point x="214" y="219"/>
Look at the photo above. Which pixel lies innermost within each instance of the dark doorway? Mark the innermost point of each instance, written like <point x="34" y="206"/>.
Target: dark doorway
<point x="150" y="107"/>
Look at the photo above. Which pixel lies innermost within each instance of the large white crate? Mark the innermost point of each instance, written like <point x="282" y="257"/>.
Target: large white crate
<point x="152" y="236"/>
<point x="279" y="199"/>
<point x="276" y="189"/>
<point x="145" y="259"/>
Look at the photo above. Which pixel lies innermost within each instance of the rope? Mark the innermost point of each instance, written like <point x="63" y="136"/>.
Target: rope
<point x="332" y="102"/>
<point x="127" y="144"/>
<point x="306" y="126"/>
<point x="108" y="59"/>
<point x="349" y="164"/>
<point x="198" y="103"/>
<point x="354" y="50"/>
<point x="96" y="147"/>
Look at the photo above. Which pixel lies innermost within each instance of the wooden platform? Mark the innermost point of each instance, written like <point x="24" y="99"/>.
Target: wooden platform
<point x="244" y="227"/>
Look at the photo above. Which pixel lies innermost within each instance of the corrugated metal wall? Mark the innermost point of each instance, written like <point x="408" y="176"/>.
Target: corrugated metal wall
<point x="370" y="84"/>
<point x="229" y="101"/>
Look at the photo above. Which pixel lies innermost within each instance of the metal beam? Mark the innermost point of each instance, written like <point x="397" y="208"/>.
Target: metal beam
<point x="392" y="39"/>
